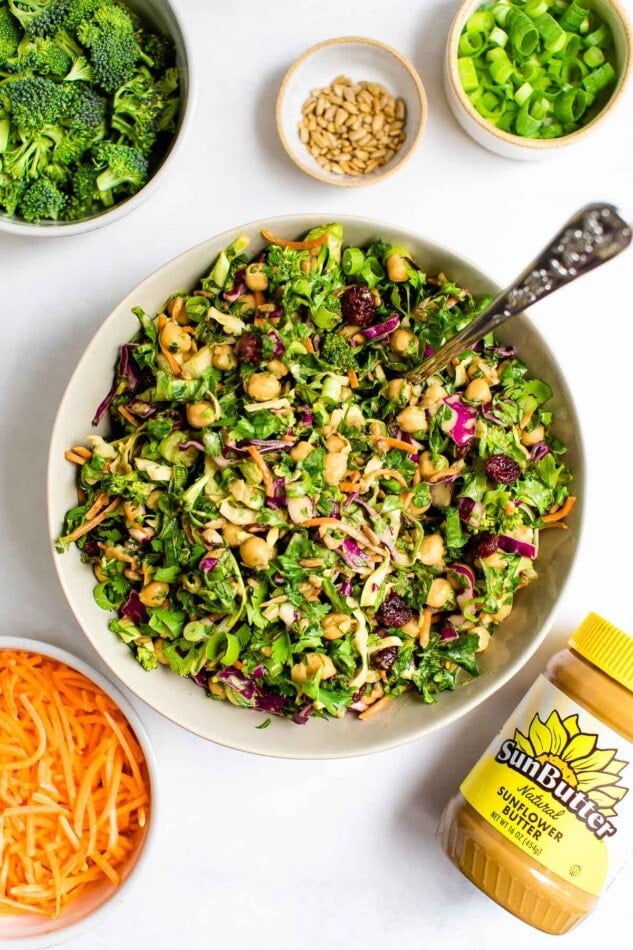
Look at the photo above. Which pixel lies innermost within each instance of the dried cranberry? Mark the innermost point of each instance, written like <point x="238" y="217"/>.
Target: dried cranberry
<point x="394" y="612"/>
<point x="502" y="469"/>
<point x="485" y="545"/>
<point x="385" y="658"/>
<point x="249" y="348"/>
<point x="358" y="305"/>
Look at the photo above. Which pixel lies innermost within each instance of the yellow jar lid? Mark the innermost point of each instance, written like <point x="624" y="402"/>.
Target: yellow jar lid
<point x="607" y="647"/>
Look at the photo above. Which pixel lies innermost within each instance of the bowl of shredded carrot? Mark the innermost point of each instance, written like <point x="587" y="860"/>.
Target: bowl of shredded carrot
<point x="76" y="794"/>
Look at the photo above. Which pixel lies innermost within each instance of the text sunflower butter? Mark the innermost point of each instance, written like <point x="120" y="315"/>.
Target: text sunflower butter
<point x="555" y="785"/>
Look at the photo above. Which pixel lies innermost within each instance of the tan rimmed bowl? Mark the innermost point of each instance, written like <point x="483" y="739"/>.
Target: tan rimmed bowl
<point x="362" y="59"/>
<point x="93" y="905"/>
<point x="515" y="146"/>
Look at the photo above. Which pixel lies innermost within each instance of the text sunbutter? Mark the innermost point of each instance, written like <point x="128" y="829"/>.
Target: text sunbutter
<point x="549" y="777"/>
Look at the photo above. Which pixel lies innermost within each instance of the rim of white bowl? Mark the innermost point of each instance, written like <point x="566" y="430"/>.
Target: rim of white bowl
<point x="378" y="745"/>
<point x="97" y="917"/>
<point x="518" y="141"/>
<point x="348" y="181"/>
<point x="55" y="229"/>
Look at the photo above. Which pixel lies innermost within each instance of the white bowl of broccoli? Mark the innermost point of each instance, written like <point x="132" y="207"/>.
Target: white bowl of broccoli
<point x="94" y="101"/>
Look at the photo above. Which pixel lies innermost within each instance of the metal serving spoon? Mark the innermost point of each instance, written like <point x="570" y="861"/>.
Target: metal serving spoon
<point x="592" y="236"/>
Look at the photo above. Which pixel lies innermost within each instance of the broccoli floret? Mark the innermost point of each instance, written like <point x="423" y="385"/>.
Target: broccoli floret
<point x="39" y="17"/>
<point x="156" y="50"/>
<point x="74" y="145"/>
<point x="28" y="159"/>
<point x="34" y="102"/>
<point x="109" y="36"/>
<point x="122" y="169"/>
<point x="79" y="10"/>
<point x="41" y="55"/>
<point x="84" y="199"/>
<point x="168" y="89"/>
<point x="41" y="201"/>
<point x="10" y="193"/>
<point x="84" y="108"/>
<point x="135" y="110"/>
<point x="146" y="656"/>
<point x="337" y="352"/>
<point x="10" y="35"/>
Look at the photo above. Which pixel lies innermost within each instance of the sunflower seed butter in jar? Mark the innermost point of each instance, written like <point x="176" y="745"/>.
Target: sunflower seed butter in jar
<point x="544" y="820"/>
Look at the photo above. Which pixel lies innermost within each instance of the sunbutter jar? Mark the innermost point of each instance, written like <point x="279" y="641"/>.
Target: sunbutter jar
<point x="544" y="820"/>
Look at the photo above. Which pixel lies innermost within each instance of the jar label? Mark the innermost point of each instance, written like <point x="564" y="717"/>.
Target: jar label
<point x="556" y="783"/>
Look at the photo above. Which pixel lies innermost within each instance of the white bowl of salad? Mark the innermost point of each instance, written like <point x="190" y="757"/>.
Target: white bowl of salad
<point x="270" y="535"/>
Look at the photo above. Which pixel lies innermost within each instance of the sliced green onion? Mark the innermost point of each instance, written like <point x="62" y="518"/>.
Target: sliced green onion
<point x="600" y="37"/>
<point x="467" y="74"/>
<point x="352" y="260"/>
<point x="573" y="17"/>
<point x="573" y="71"/>
<point x="535" y="8"/>
<point x="482" y="20"/>
<point x="551" y="130"/>
<point x="500" y="66"/>
<point x="526" y="123"/>
<point x="490" y="105"/>
<point x="552" y="33"/>
<point x="523" y="33"/>
<point x="593" y="57"/>
<point x="498" y="36"/>
<point x="599" y="78"/>
<point x="523" y="93"/>
<point x="573" y="46"/>
<point x="570" y="105"/>
<point x="472" y="43"/>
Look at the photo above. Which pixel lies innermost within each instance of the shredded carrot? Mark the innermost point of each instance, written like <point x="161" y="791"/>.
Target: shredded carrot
<point x="424" y="627"/>
<point x="258" y="458"/>
<point x="562" y="512"/>
<point x="294" y="245"/>
<point x="353" y="378"/>
<point x="309" y="345"/>
<point x="89" y="525"/>
<point x="385" y="441"/>
<point x="74" y="780"/>
<point x="127" y="415"/>
<point x="100" y="502"/>
<point x="260" y="298"/>
<point x="339" y="526"/>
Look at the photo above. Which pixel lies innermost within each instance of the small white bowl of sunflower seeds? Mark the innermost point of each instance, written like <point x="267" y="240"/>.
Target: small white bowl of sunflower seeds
<point x="351" y="111"/>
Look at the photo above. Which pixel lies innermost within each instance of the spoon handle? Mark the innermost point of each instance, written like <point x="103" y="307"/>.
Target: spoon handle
<point x="592" y="236"/>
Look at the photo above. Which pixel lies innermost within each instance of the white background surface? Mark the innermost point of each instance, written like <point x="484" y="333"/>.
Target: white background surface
<point x="262" y="853"/>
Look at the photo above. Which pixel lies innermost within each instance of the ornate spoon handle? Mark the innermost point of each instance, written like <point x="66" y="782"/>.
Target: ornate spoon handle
<point x="592" y="236"/>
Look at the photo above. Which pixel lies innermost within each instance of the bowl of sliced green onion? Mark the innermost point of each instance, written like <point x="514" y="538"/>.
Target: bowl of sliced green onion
<point x="528" y="79"/>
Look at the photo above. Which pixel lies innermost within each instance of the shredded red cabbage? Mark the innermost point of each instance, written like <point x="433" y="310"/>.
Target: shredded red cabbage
<point x="353" y="555"/>
<point x="208" y="564"/>
<point x="539" y="451"/>
<point x="470" y="511"/>
<point x="382" y="329"/>
<point x="461" y="427"/>
<point x="134" y="609"/>
<point x="280" y="347"/>
<point x="191" y="444"/>
<point x="513" y="546"/>
<point x="255" y="696"/>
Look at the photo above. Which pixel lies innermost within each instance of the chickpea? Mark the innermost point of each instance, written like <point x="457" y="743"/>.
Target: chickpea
<point x="277" y="368"/>
<point x="484" y="638"/>
<point x="432" y="550"/>
<point x="434" y="394"/>
<point x="153" y="498"/>
<point x="300" y="451"/>
<point x="399" y="390"/>
<point x="223" y="357"/>
<point x="495" y="560"/>
<point x="504" y="611"/>
<point x="263" y="386"/>
<point x="412" y="419"/>
<point x="310" y="666"/>
<point x="334" y="467"/>
<point x="537" y="434"/>
<point x="234" y="535"/>
<point x="354" y="417"/>
<point x="397" y="270"/>
<point x="478" y="391"/>
<point x="404" y="342"/>
<point x="176" y="310"/>
<point x="152" y="595"/>
<point x="336" y="443"/>
<point x="174" y="338"/>
<point x="440" y="593"/>
<point x="336" y="626"/>
<point x="255" y="553"/>
<point x="255" y="278"/>
<point x="377" y="428"/>
<point x="201" y="414"/>
<point x="428" y="466"/>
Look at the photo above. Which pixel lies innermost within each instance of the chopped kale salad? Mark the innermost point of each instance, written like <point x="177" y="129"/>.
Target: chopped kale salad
<point x="280" y="515"/>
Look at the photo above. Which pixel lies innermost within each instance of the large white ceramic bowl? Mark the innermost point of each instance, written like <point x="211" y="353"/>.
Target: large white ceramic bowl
<point x="165" y="17"/>
<point x="179" y="699"/>
<point x="93" y="905"/>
